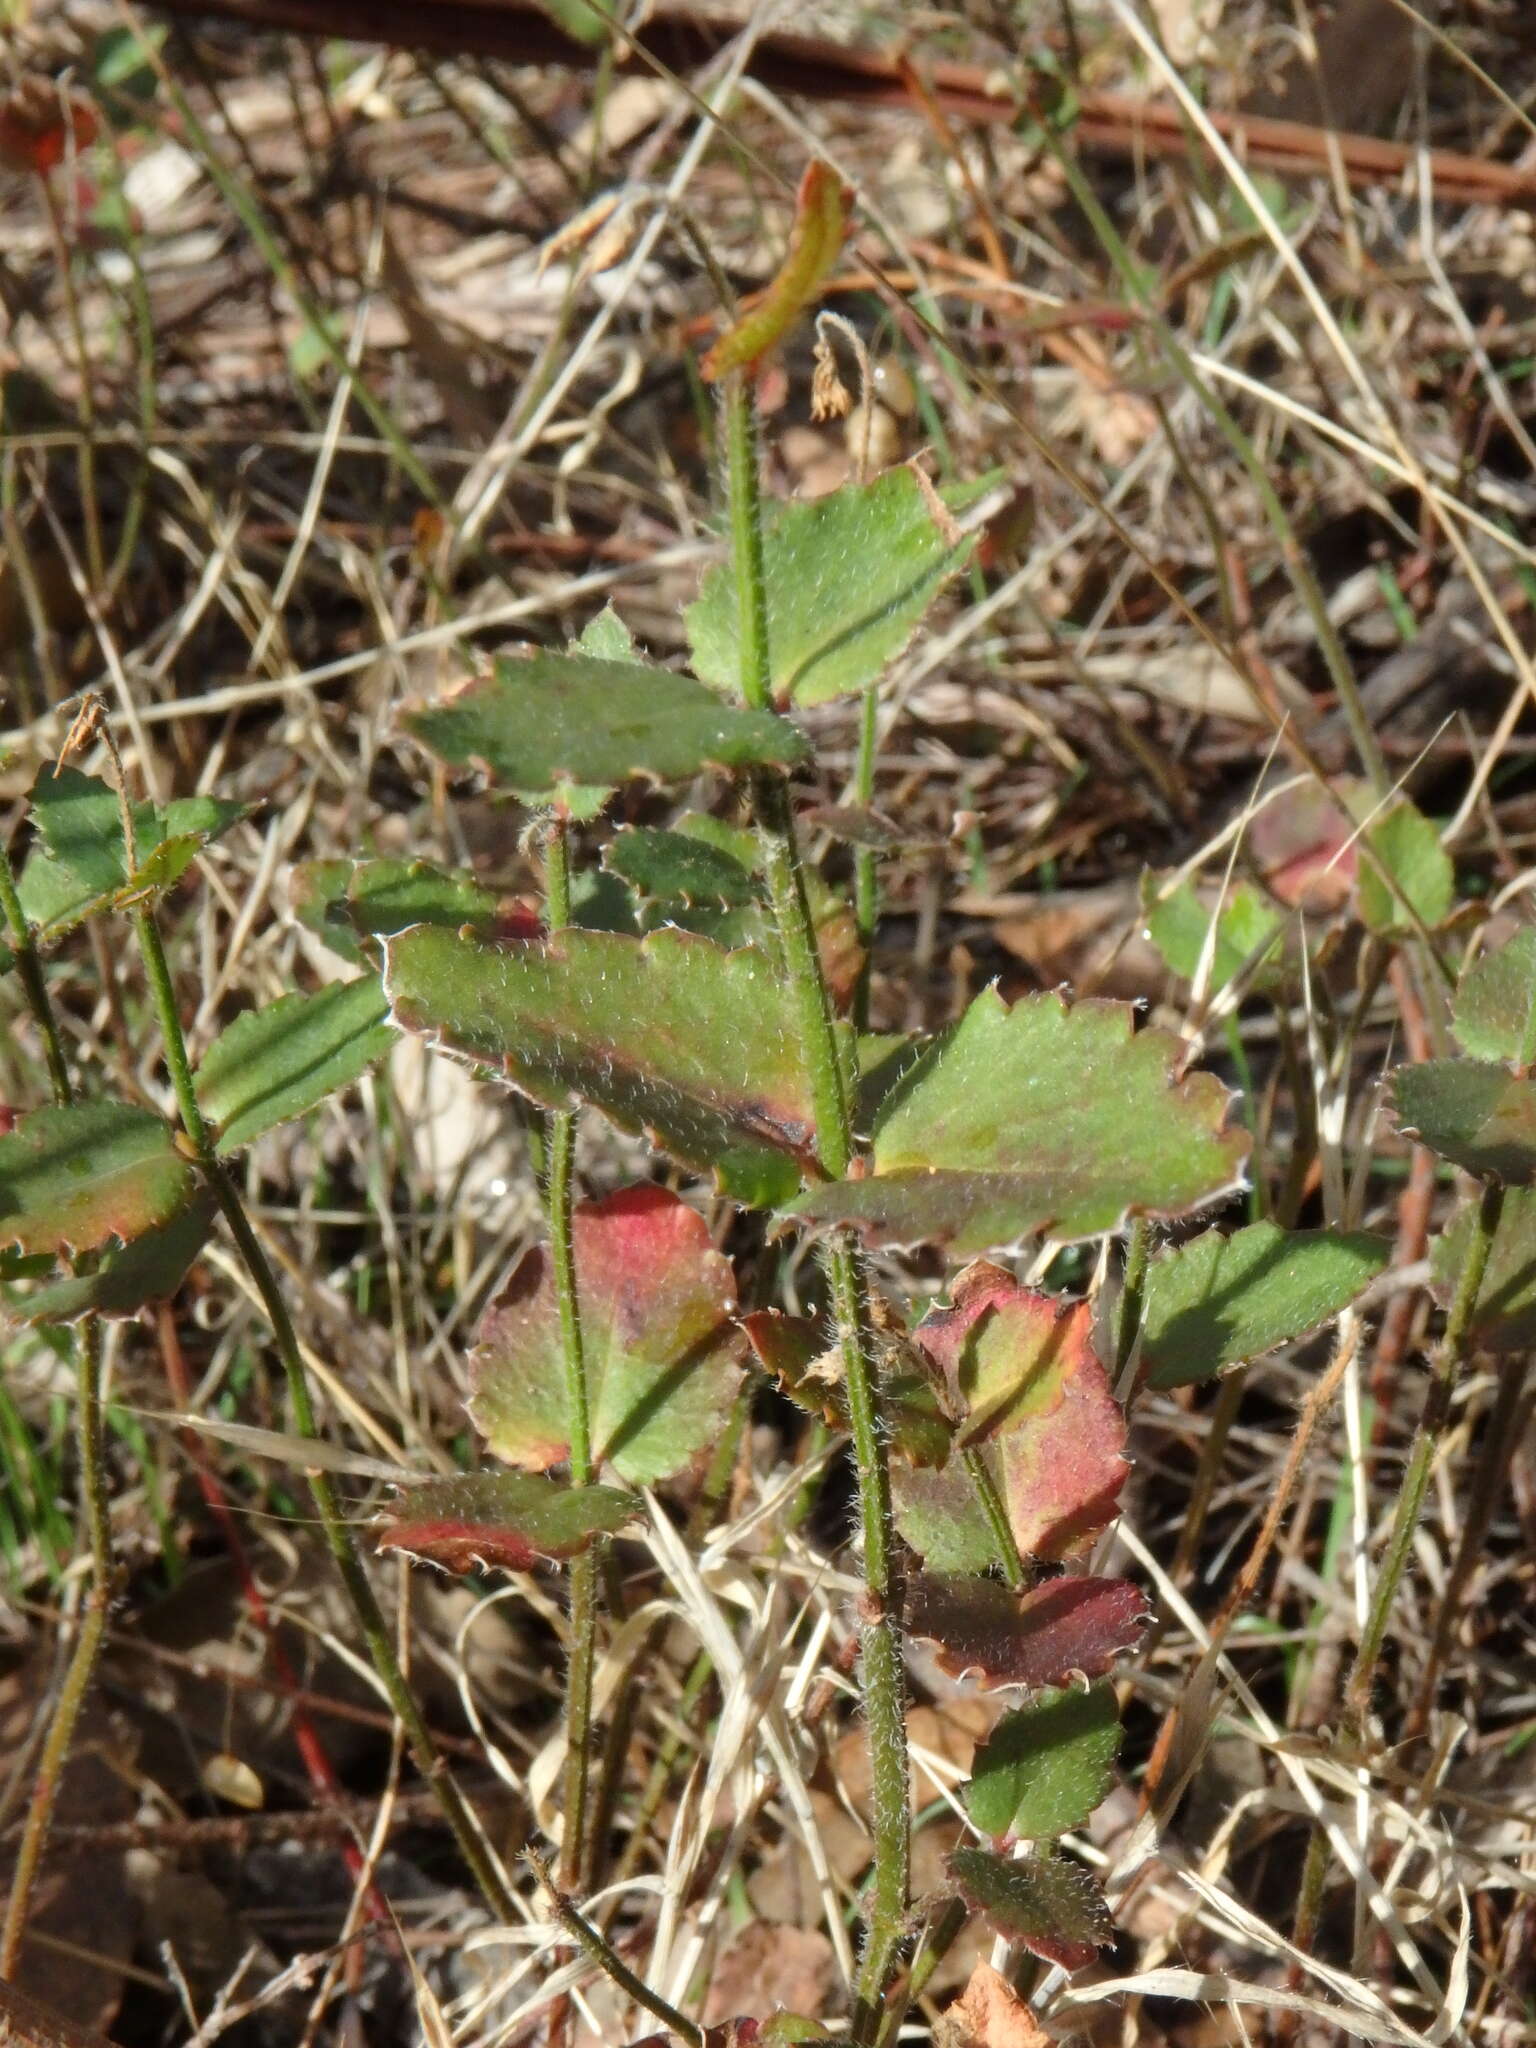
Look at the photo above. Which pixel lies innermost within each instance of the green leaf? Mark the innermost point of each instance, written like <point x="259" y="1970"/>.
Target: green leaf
<point x="149" y="1268"/>
<point x="1018" y="1121"/>
<point x="345" y="900"/>
<point x="849" y="576"/>
<point x="1249" y="932"/>
<point x="1474" y="1112"/>
<point x="54" y="900"/>
<point x="659" y="1337"/>
<point x="120" y="60"/>
<point x="676" y="867"/>
<point x="73" y="1177"/>
<point x="504" y="1521"/>
<point x="1053" y="1908"/>
<point x="385" y="896"/>
<point x="1422" y="875"/>
<point x="275" y="1063"/>
<point x="80" y="867"/>
<point x="1493" y="1003"/>
<point x="1504" y="1318"/>
<point x="1046" y="1767"/>
<point x="316" y="343"/>
<point x="670" y="1036"/>
<point x="162" y="867"/>
<point x="15" y="1265"/>
<point x="738" y="842"/>
<point x="600" y="902"/>
<point x="80" y="823"/>
<point x="317" y="891"/>
<point x="1059" y="1629"/>
<point x="607" y="637"/>
<point x="751" y="924"/>
<point x="1219" y="1300"/>
<point x="581" y="22"/>
<point x="1036" y="1407"/>
<point x="551" y="720"/>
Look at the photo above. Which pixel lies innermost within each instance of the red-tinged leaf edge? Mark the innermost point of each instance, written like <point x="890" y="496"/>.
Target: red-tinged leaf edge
<point x="663" y="1349"/>
<point x="785" y="1346"/>
<point x="1062" y="1465"/>
<point x="1059" y="1630"/>
<point x="75" y="1175"/>
<point x="1052" y="1907"/>
<point x="506" y="1521"/>
<point x="821" y="224"/>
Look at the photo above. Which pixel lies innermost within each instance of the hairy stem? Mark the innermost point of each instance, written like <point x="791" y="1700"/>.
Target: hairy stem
<point x="990" y="1502"/>
<point x="1138" y="1251"/>
<point x="82" y="1662"/>
<point x="339" y="1539"/>
<point x="937" y="1943"/>
<point x="29" y="969"/>
<point x="612" y="1965"/>
<point x="883" y="1676"/>
<point x="93" y="1482"/>
<point x="559" y="1199"/>
<point x="866" y="873"/>
<point x="1410" y="1501"/>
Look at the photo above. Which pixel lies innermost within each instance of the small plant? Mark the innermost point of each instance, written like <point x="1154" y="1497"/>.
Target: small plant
<point x="718" y="1012"/>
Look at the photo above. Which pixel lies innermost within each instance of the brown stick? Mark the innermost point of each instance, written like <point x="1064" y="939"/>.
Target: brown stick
<point x="1117" y="125"/>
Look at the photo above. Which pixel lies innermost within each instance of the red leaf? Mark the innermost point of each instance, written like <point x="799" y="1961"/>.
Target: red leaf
<point x="507" y="1520"/>
<point x="1024" y="1367"/>
<point x="1303" y="843"/>
<point x="1058" y="1630"/>
<point x="662" y="1349"/>
<point x="787" y="1346"/>
<point x="39" y="126"/>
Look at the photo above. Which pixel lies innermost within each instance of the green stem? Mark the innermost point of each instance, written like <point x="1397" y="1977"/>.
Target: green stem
<point x="612" y="1965"/>
<point x="866" y="871"/>
<point x="51" y="1765"/>
<point x="90" y="1449"/>
<point x="744" y="499"/>
<point x="1437" y="1408"/>
<point x="339" y="1540"/>
<point x="29" y="967"/>
<point x="560" y="1195"/>
<point x="817" y="1032"/>
<point x="946" y="1932"/>
<point x="581" y="1666"/>
<point x="990" y="1501"/>
<point x="883" y="1675"/>
<point x="1138" y="1256"/>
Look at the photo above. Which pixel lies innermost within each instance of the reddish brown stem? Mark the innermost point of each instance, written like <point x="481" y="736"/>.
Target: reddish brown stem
<point x="1117" y="125"/>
